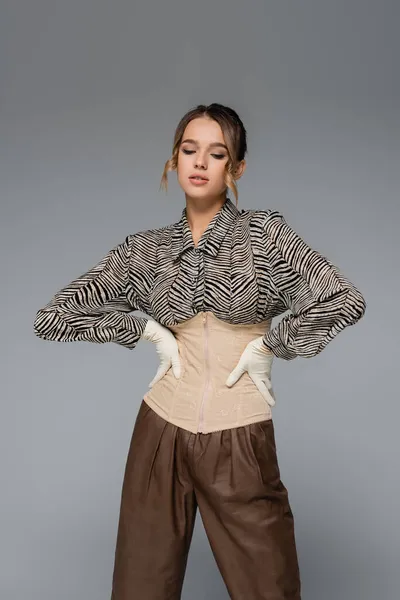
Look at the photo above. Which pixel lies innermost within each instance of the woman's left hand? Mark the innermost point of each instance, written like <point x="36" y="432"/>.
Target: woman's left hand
<point x="257" y="361"/>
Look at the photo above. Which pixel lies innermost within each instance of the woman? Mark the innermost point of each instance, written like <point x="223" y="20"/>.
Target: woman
<point x="204" y="435"/>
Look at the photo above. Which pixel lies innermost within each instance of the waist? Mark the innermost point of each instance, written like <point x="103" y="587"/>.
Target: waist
<point x="199" y="400"/>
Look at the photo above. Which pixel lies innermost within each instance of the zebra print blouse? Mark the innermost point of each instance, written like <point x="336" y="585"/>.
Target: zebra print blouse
<point x="249" y="265"/>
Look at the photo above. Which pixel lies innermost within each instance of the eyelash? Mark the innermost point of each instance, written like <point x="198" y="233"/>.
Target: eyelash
<point x="217" y="156"/>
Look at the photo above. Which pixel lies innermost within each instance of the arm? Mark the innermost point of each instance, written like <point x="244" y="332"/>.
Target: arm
<point x="322" y="300"/>
<point x="93" y="307"/>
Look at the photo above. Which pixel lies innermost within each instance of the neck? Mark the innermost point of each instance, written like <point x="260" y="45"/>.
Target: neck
<point x="200" y="211"/>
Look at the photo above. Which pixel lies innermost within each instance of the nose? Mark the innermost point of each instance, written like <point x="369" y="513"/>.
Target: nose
<point x="200" y="161"/>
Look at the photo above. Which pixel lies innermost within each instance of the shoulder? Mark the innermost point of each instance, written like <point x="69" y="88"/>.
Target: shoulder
<point x="264" y="220"/>
<point x="151" y="236"/>
<point x="146" y="244"/>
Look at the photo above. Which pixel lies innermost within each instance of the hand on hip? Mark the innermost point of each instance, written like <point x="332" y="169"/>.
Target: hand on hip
<point x="166" y="348"/>
<point x="257" y="361"/>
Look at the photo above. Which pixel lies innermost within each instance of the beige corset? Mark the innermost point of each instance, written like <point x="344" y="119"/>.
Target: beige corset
<point x="199" y="400"/>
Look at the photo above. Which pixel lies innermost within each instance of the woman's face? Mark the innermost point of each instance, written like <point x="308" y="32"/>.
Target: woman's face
<point x="202" y="152"/>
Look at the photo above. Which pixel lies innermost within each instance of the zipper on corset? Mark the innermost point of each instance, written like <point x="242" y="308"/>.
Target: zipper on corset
<point x="205" y="393"/>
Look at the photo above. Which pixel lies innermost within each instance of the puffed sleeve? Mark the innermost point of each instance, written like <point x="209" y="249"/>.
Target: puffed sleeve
<point x="322" y="300"/>
<point x="94" y="307"/>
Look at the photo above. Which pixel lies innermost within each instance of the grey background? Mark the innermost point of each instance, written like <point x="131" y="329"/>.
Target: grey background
<point x="90" y="94"/>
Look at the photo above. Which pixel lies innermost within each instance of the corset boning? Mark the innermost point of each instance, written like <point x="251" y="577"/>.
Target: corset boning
<point x="199" y="400"/>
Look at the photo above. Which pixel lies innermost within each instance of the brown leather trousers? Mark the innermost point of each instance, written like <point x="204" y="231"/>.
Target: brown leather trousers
<point x="233" y="477"/>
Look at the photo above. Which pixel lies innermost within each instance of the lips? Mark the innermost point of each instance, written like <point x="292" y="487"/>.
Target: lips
<point x="198" y="177"/>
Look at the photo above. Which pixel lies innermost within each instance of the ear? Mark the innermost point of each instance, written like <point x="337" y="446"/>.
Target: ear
<point x="240" y="169"/>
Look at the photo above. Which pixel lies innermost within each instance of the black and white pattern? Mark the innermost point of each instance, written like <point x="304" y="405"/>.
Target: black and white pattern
<point x="249" y="265"/>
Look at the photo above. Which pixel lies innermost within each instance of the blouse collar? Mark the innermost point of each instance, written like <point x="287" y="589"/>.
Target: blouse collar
<point x="211" y="238"/>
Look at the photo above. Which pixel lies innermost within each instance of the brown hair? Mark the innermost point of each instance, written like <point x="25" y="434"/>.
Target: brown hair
<point x="234" y="134"/>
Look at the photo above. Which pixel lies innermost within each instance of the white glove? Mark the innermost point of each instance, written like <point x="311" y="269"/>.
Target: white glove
<point x="257" y="361"/>
<point x="166" y="348"/>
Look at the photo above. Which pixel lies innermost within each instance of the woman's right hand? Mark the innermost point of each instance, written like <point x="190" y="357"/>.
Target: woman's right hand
<point x="166" y="348"/>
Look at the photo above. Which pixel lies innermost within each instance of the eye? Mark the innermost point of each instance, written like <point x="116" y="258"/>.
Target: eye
<point x="186" y="151"/>
<point x="218" y="156"/>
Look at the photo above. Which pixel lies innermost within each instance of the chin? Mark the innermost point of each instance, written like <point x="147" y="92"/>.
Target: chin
<point x="197" y="192"/>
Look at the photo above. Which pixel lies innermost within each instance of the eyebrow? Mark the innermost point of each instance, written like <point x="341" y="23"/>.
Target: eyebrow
<point x="210" y="145"/>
